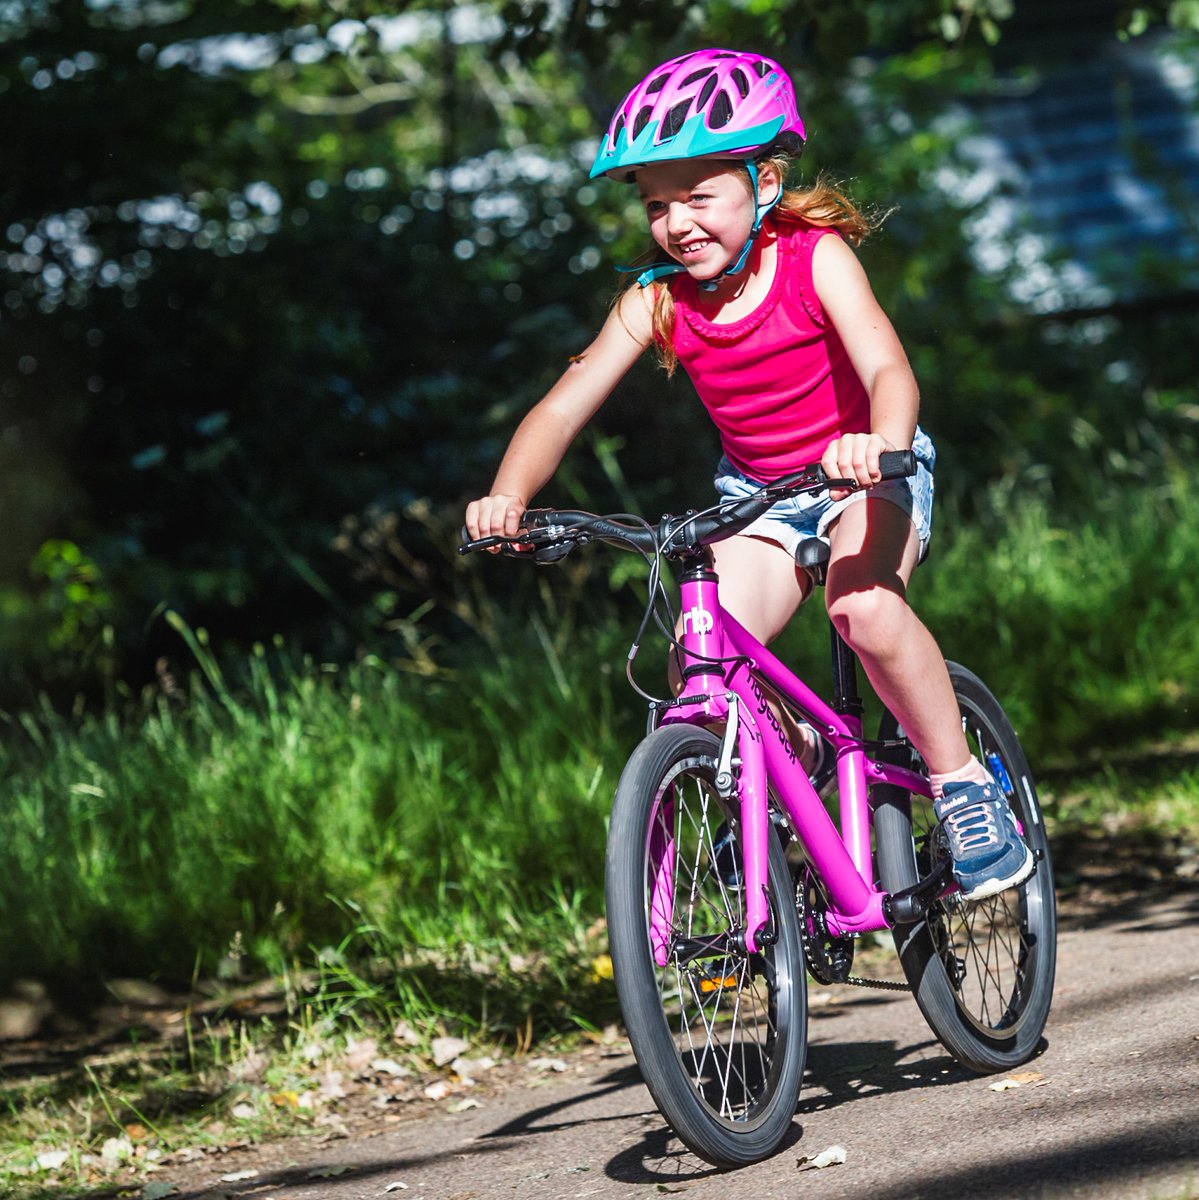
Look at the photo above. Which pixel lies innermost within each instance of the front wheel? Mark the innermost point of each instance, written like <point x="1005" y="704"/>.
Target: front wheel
<point x="982" y="972"/>
<point x="720" y="1035"/>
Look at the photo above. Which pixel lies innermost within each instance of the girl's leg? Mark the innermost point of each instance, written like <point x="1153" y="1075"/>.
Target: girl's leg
<point x="874" y="552"/>
<point x="761" y="587"/>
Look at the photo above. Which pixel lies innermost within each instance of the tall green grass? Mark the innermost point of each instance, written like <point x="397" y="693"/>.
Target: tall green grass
<point x="432" y="842"/>
<point x="449" y="826"/>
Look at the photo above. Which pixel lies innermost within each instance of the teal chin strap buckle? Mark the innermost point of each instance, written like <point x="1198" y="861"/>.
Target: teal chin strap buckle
<point x="662" y="270"/>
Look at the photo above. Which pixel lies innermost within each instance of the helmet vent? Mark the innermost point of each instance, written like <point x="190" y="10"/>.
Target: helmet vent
<point x="641" y="120"/>
<point x="705" y="94"/>
<point x="617" y="129"/>
<point x="696" y="76"/>
<point x="763" y="69"/>
<point x="722" y="111"/>
<point x="742" y="82"/>
<point x="658" y="84"/>
<point x="674" y="119"/>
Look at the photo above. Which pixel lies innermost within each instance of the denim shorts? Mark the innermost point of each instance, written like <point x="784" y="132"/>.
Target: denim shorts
<point x="792" y="521"/>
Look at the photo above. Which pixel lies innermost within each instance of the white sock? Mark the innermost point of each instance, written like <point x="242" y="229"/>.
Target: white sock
<point x="972" y="771"/>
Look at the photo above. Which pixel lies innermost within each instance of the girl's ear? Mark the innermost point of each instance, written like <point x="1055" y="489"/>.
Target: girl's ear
<point x="770" y="183"/>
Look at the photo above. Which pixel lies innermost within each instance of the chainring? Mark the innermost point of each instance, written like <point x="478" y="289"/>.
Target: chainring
<point x="829" y="958"/>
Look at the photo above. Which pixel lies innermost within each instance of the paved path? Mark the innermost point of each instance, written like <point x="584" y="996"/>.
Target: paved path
<point x="1115" y="1113"/>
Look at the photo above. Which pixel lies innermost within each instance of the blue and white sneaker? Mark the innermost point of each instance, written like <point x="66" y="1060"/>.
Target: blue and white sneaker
<point x="989" y="855"/>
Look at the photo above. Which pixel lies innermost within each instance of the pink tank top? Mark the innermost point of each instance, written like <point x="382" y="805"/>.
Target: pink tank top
<point x="778" y="383"/>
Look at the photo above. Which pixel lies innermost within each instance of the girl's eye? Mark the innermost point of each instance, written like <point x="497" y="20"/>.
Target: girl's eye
<point x="700" y="198"/>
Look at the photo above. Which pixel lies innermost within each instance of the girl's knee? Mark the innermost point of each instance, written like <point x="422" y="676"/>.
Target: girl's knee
<point x="867" y="619"/>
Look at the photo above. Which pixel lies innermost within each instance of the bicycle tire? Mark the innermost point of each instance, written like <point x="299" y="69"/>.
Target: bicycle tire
<point x="982" y="972"/>
<point x="720" y="1038"/>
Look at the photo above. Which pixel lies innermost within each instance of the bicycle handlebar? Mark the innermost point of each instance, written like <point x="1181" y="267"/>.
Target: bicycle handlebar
<point x="550" y="534"/>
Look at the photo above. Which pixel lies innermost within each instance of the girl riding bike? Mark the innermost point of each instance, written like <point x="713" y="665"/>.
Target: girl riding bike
<point x="758" y="294"/>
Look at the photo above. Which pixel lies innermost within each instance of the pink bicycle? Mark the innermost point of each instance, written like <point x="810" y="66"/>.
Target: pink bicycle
<point x="727" y="876"/>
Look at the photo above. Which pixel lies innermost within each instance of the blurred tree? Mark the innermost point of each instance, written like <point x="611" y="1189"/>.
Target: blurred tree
<point x="265" y="265"/>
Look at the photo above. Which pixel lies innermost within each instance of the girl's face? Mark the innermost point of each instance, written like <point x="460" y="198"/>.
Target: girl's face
<point x="700" y="211"/>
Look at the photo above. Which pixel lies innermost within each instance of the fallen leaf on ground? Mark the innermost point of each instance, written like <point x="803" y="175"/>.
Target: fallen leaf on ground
<point x="463" y="1105"/>
<point x="116" y="1149"/>
<point x="464" y="1066"/>
<point x="446" y="1049"/>
<point x="328" y="1172"/>
<point x="1003" y="1085"/>
<point x="158" y="1190"/>
<point x="238" y="1176"/>
<point x="359" y="1054"/>
<point x="546" y="1064"/>
<point x="826" y="1158"/>
<point x="389" y="1066"/>
<point x="405" y="1035"/>
<point x="1027" y="1076"/>
<point x="396" y="1187"/>
<point x="438" y="1091"/>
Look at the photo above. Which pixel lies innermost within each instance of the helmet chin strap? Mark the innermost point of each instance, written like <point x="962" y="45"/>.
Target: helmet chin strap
<point x="738" y="264"/>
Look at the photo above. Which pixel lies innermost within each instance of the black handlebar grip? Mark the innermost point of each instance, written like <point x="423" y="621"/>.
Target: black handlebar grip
<point x="897" y="464"/>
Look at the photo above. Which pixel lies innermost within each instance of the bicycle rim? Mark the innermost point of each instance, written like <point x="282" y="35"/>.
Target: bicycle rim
<point x="982" y="971"/>
<point x="720" y="1034"/>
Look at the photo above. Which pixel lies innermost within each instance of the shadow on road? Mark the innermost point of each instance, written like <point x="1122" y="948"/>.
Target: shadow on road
<point x="841" y="1072"/>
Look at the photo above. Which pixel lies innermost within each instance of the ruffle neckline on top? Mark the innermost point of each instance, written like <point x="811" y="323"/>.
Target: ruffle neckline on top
<point x="713" y="332"/>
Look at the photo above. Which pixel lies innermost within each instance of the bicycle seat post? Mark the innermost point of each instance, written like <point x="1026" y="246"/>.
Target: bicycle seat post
<point x="847" y="699"/>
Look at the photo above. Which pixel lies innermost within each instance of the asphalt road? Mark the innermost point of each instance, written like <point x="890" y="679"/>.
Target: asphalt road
<point x="1113" y="1114"/>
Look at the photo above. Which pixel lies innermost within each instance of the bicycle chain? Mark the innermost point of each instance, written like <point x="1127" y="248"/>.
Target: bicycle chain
<point x="882" y="985"/>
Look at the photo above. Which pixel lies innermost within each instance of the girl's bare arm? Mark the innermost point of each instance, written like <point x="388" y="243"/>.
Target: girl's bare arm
<point x="878" y="357"/>
<point x="543" y="437"/>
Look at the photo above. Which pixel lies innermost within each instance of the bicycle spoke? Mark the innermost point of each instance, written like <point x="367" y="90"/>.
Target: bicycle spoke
<point x="718" y="1006"/>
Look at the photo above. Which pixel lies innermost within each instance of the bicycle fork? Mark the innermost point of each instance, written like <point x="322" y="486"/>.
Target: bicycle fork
<point x="741" y="768"/>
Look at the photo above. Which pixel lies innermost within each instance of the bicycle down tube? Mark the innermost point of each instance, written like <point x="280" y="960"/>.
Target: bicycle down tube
<point x="841" y="858"/>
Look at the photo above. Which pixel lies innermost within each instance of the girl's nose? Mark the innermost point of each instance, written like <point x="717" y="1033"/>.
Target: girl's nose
<point x="678" y="218"/>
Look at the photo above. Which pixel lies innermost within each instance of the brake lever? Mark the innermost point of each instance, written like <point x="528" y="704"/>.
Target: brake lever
<point x="523" y="545"/>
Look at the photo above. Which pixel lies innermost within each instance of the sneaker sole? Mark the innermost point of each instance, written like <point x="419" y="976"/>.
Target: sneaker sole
<point x="992" y="887"/>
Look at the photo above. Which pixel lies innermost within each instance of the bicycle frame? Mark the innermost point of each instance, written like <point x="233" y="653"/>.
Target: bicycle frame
<point x="729" y="692"/>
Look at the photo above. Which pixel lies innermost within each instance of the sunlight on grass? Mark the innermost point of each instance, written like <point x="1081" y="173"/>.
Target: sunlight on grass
<point x="381" y="849"/>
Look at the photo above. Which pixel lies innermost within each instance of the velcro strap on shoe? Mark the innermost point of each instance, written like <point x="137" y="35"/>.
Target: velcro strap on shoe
<point x="967" y="797"/>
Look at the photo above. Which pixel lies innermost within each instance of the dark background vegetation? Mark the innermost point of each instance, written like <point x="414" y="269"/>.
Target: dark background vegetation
<point x="268" y="268"/>
<point x="277" y="281"/>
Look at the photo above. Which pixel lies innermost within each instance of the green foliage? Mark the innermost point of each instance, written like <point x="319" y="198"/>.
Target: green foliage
<point x="224" y="821"/>
<point x="338" y="255"/>
<point x="423" y="832"/>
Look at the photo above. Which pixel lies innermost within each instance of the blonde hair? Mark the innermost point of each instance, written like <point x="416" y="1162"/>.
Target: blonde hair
<point x="823" y="204"/>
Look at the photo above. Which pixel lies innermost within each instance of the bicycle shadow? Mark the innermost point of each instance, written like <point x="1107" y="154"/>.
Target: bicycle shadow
<point x="837" y="1073"/>
<point x="840" y="1072"/>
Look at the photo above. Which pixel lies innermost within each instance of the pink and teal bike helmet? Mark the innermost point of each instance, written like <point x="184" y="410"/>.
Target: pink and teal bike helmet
<point x="710" y="104"/>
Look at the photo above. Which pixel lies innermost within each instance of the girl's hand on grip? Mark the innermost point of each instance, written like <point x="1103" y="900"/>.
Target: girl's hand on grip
<point x="854" y="456"/>
<point x="495" y="516"/>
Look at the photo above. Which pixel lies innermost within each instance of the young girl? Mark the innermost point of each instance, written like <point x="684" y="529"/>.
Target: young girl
<point x="760" y="297"/>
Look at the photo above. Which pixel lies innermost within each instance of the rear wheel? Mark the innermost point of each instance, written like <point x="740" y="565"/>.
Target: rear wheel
<point x="982" y="972"/>
<point x="720" y="1034"/>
